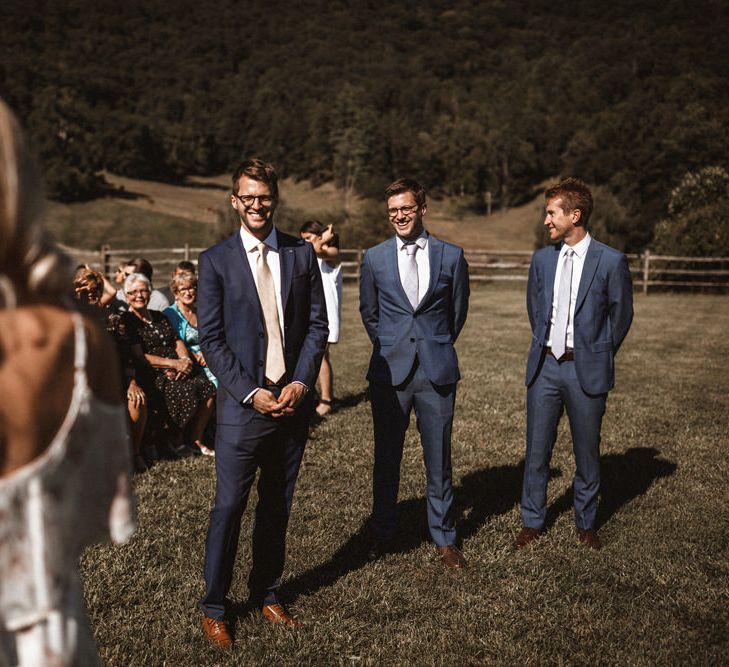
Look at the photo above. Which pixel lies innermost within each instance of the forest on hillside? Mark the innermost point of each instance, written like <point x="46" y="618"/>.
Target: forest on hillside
<point x="469" y="96"/>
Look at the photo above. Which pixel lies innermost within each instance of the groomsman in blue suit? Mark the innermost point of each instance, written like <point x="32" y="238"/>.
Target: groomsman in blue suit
<point x="413" y="301"/>
<point x="263" y="330"/>
<point x="580" y="305"/>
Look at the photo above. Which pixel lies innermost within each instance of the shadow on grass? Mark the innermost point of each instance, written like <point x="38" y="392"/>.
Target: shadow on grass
<point x="484" y="494"/>
<point x="487" y="492"/>
<point x="623" y="477"/>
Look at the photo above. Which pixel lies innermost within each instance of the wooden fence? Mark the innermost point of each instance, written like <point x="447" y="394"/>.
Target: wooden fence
<point x="649" y="270"/>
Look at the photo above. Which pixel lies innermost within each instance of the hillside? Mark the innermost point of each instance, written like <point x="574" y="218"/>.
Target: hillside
<point x="150" y="214"/>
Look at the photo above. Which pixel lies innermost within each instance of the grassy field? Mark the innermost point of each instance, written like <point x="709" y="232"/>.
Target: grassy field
<point x="657" y="594"/>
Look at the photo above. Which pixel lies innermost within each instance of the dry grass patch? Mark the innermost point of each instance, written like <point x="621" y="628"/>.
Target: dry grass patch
<point x="658" y="593"/>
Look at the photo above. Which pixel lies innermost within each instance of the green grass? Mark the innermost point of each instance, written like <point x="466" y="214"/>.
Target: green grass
<point x="658" y="592"/>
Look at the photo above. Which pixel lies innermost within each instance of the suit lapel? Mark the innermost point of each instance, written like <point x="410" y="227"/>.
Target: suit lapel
<point x="435" y="259"/>
<point x="549" y="272"/>
<point x="286" y="262"/>
<point x="239" y="260"/>
<point x="394" y="271"/>
<point x="592" y="259"/>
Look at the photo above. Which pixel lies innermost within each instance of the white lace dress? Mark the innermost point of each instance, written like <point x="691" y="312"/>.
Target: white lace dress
<point x="75" y="494"/>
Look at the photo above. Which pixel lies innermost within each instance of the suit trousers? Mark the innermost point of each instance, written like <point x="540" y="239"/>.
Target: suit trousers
<point x="555" y="388"/>
<point x="391" y="407"/>
<point x="275" y="446"/>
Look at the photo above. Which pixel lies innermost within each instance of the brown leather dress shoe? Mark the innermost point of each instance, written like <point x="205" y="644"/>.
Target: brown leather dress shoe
<point x="525" y="536"/>
<point x="451" y="557"/>
<point x="589" y="537"/>
<point x="216" y="632"/>
<point x="276" y="614"/>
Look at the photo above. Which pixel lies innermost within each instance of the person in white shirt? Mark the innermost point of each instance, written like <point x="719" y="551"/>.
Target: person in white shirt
<point x="580" y="306"/>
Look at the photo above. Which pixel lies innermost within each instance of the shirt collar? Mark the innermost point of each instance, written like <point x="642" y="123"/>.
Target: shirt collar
<point x="250" y="242"/>
<point x="580" y="248"/>
<point x="421" y="241"/>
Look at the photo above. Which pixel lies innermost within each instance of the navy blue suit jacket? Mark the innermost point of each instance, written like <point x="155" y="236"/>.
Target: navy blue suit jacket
<point x="603" y="312"/>
<point x="232" y="330"/>
<point x="399" y="332"/>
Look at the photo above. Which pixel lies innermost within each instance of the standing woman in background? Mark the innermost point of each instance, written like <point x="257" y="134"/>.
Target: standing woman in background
<point x="64" y="449"/>
<point x="326" y="247"/>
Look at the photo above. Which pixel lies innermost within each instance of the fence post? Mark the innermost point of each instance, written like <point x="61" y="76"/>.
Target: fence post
<point x="104" y="259"/>
<point x="359" y="264"/>
<point x="187" y="252"/>
<point x="646" y="269"/>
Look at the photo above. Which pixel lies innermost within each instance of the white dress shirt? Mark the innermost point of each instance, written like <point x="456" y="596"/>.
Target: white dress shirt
<point x="578" y="263"/>
<point x="421" y="260"/>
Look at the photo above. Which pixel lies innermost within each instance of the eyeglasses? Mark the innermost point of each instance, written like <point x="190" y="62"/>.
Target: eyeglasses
<point x="405" y="210"/>
<point x="138" y="292"/>
<point x="187" y="290"/>
<point x="248" y="200"/>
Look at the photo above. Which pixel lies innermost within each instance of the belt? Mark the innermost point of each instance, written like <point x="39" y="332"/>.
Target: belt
<point x="569" y="355"/>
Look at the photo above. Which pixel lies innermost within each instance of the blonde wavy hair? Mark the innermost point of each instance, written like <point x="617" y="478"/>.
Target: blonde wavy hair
<point x="32" y="268"/>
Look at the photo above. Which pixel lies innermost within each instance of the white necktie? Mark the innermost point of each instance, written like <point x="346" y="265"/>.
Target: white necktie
<point x="559" y="334"/>
<point x="275" y="364"/>
<point x="410" y="274"/>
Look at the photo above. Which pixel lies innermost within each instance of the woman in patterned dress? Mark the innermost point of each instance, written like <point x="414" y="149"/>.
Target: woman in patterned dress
<point x="64" y="449"/>
<point x="182" y="398"/>
<point x="182" y="315"/>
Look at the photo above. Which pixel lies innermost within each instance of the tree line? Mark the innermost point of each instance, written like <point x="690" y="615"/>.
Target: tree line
<point x="471" y="97"/>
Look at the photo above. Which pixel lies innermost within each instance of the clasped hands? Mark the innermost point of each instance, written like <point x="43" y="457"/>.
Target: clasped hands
<point x="266" y="403"/>
<point x="180" y="368"/>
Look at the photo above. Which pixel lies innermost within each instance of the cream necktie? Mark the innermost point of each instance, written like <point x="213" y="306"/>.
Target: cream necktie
<point x="275" y="364"/>
<point x="559" y="335"/>
<point x="410" y="274"/>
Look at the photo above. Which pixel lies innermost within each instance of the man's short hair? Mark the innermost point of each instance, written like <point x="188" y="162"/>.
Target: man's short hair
<point x="574" y="194"/>
<point x="141" y="265"/>
<point x="185" y="265"/>
<point x="258" y="170"/>
<point x="406" y="185"/>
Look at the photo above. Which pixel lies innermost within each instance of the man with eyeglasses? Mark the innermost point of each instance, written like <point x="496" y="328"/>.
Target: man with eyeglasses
<point x="263" y="331"/>
<point x="413" y="300"/>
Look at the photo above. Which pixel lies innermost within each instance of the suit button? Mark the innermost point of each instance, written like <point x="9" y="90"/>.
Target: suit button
<point x="260" y="363"/>
<point x="260" y="334"/>
<point x="412" y="340"/>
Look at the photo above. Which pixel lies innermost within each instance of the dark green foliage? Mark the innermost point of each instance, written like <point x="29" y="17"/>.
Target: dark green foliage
<point x="475" y="97"/>
<point x="698" y="216"/>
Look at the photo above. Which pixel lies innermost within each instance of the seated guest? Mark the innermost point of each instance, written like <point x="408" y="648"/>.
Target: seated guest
<point x="183" y="266"/>
<point x="182" y="315"/>
<point x="157" y="300"/>
<point x="183" y="398"/>
<point x="88" y="288"/>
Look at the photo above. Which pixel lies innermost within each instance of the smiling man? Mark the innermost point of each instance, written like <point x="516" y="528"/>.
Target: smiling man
<point x="413" y="301"/>
<point x="580" y="306"/>
<point x="263" y="330"/>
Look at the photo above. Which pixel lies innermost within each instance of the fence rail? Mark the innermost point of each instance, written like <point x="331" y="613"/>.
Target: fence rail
<point x="649" y="270"/>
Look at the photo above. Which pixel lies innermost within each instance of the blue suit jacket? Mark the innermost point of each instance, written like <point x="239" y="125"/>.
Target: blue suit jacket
<point x="603" y="312"/>
<point x="232" y="331"/>
<point x="397" y="331"/>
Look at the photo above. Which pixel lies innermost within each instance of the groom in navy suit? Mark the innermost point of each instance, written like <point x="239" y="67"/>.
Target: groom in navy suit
<point x="413" y="301"/>
<point x="263" y="330"/>
<point x="580" y="306"/>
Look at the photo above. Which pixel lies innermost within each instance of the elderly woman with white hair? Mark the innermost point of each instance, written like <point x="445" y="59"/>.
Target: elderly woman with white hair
<point x="64" y="447"/>
<point x="180" y="397"/>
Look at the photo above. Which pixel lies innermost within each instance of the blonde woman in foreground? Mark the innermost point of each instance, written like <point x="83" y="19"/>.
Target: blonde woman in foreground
<point x="64" y="449"/>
